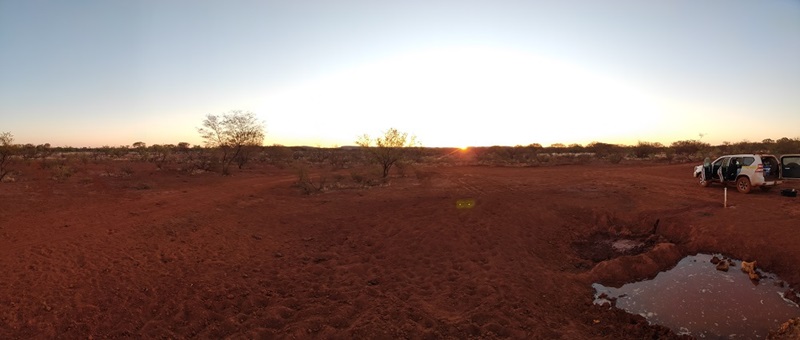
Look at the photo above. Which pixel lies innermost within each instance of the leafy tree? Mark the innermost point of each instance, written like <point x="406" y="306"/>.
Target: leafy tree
<point x="786" y="145"/>
<point x="602" y="150"/>
<point x="388" y="149"/>
<point x="689" y="148"/>
<point x="575" y="148"/>
<point x="28" y="151"/>
<point x="141" y="149"/>
<point x="7" y="150"/>
<point x="646" y="149"/>
<point x="160" y="154"/>
<point x="231" y="133"/>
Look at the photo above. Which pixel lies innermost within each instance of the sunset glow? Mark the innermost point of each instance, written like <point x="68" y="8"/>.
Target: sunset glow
<point x="470" y="95"/>
<point x="99" y="73"/>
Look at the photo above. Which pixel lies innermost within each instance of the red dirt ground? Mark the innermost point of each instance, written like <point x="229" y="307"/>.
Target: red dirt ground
<point x="162" y="254"/>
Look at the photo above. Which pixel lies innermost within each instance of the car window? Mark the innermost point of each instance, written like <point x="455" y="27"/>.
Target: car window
<point x="791" y="166"/>
<point x="748" y="161"/>
<point x="719" y="161"/>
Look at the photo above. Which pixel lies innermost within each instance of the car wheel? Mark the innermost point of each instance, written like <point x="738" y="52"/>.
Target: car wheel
<point x="765" y="188"/>
<point x="743" y="184"/>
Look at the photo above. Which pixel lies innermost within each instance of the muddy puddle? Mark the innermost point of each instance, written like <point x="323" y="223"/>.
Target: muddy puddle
<point x="696" y="299"/>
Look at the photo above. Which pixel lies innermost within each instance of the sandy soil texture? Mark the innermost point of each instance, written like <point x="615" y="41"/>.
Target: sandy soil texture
<point x="161" y="254"/>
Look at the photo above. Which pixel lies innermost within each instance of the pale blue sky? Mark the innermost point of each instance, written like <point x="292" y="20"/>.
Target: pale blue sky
<point x="92" y="73"/>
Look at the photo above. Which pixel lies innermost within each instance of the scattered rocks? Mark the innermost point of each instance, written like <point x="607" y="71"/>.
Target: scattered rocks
<point x="750" y="269"/>
<point x="788" y="330"/>
<point x="722" y="264"/>
<point x="373" y="282"/>
<point x="257" y="237"/>
<point x="278" y="254"/>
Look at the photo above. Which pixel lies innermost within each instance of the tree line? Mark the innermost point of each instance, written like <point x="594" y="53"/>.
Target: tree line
<point x="237" y="137"/>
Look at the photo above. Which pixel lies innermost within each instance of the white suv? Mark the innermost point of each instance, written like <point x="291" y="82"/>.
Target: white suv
<point x="749" y="170"/>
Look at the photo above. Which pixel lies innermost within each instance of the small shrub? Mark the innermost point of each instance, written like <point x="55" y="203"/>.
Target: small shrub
<point x="9" y="177"/>
<point x="358" y="177"/>
<point x="200" y="159"/>
<point x="44" y="164"/>
<point x="583" y="158"/>
<point x="62" y="172"/>
<point x="337" y="182"/>
<point x="305" y="183"/>
<point x="669" y="154"/>
<point x="126" y="170"/>
<point x="423" y="176"/>
<point x="615" y="158"/>
<point x="401" y="167"/>
<point x="141" y="186"/>
<point x="372" y="176"/>
<point x="542" y="157"/>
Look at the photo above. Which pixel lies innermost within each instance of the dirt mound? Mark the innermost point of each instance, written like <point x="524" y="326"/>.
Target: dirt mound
<point x="621" y="270"/>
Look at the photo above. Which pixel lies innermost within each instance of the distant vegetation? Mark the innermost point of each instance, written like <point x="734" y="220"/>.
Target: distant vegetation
<point x="236" y="138"/>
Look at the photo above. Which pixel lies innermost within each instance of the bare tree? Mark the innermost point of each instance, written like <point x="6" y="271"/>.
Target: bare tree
<point x="388" y="149"/>
<point x="231" y="133"/>
<point x="6" y="151"/>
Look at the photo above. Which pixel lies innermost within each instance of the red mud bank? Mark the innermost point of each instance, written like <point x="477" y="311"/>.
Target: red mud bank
<point x="165" y="254"/>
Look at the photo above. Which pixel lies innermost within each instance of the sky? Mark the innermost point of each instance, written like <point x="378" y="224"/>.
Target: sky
<point x="452" y="73"/>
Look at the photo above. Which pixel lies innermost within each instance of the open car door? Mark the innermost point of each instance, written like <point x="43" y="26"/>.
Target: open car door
<point x="720" y="167"/>
<point x="790" y="167"/>
<point x="706" y="174"/>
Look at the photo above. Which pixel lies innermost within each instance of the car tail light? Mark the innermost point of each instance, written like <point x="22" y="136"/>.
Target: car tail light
<point x="760" y="168"/>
